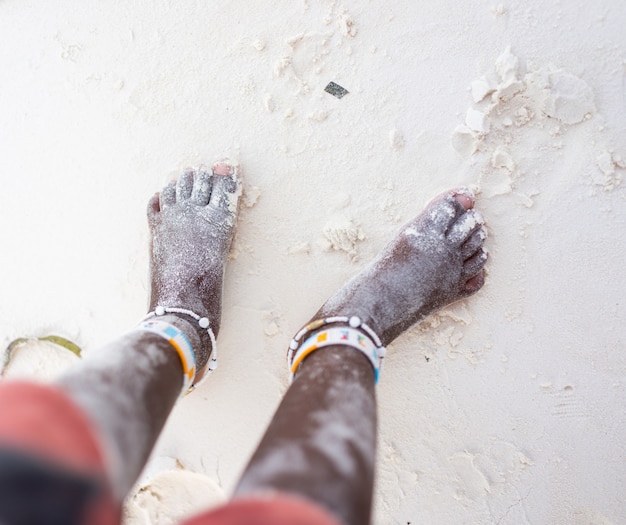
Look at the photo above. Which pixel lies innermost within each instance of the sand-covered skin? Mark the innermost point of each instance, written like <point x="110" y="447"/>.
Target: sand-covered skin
<point x="192" y="222"/>
<point x="436" y="259"/>
<point x="505" y="408"/>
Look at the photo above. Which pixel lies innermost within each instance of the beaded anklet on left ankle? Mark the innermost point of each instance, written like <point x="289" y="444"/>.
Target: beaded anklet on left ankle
<point x="181" y="343"/>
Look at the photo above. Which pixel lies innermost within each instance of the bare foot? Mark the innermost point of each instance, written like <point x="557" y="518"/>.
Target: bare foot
<point x="192" y="223"/>
<point x="436" y="259"/>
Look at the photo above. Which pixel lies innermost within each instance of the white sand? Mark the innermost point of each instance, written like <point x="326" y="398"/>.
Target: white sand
<point x="508" y="408"/>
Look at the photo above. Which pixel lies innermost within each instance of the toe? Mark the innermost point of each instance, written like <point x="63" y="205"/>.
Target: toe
<point x="226" y="187"/>
<point x="184" y="186"/>
<point x="475" y="283"/>
<point x="445" y="209"/>
<point x="465" y="226"/>
<point x="201" y="188"/>
<point x="474" y="265"/>
<point x="153" y="207"/>
<point x="168" y="195"/>
<point x="474" y="242"/>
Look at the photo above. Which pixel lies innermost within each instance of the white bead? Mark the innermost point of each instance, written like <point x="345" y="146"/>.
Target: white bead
<point x="159" y="310"/>
<point x="204" y="322"/>
<point x="354" y="321"/>
<point x="294" y="344"/>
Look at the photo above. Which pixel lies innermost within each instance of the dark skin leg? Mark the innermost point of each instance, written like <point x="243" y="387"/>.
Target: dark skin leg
<point x="321" y="442"/>
<point x="129" y="388"/>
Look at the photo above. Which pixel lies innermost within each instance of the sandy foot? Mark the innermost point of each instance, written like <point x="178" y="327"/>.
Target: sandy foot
<point x="192" y="223"/>
<point x="436" y="259"/>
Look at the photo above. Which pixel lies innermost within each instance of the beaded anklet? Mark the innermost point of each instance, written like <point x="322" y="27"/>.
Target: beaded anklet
<point x="356" y="335"/>
<point x="182" y="345"/>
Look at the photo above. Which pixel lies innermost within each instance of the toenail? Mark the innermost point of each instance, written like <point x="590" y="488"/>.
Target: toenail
<point x="464" y="190"/>
<point x="222" y="169"/>
<point x="465" y="199"/>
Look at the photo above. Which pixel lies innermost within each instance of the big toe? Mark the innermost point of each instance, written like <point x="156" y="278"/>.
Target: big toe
<point x="445" y="209"/>
<point x="226" y="188"/>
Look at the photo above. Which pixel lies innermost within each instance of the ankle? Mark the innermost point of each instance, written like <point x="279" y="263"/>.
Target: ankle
<point x="337" y="363"/>
<point x="187" y="326"/>
<point x="346" y="333"/>
<point x="199" y="334"/>
<point x="353" y="301"/>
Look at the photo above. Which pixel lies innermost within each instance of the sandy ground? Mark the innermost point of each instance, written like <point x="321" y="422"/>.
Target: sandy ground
<point x="508" y="408"/>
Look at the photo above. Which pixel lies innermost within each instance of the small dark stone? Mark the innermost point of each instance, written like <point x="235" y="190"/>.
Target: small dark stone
<point x="336" y="90"/>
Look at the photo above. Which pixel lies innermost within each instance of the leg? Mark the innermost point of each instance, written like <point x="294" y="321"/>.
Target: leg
<point x="129" y="388"/>
<point x="321" y="442"/>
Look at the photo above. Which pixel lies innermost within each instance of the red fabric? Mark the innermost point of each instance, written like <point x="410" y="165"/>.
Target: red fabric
<point x="42" y="421"/>
<point x="277" y="510"/>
